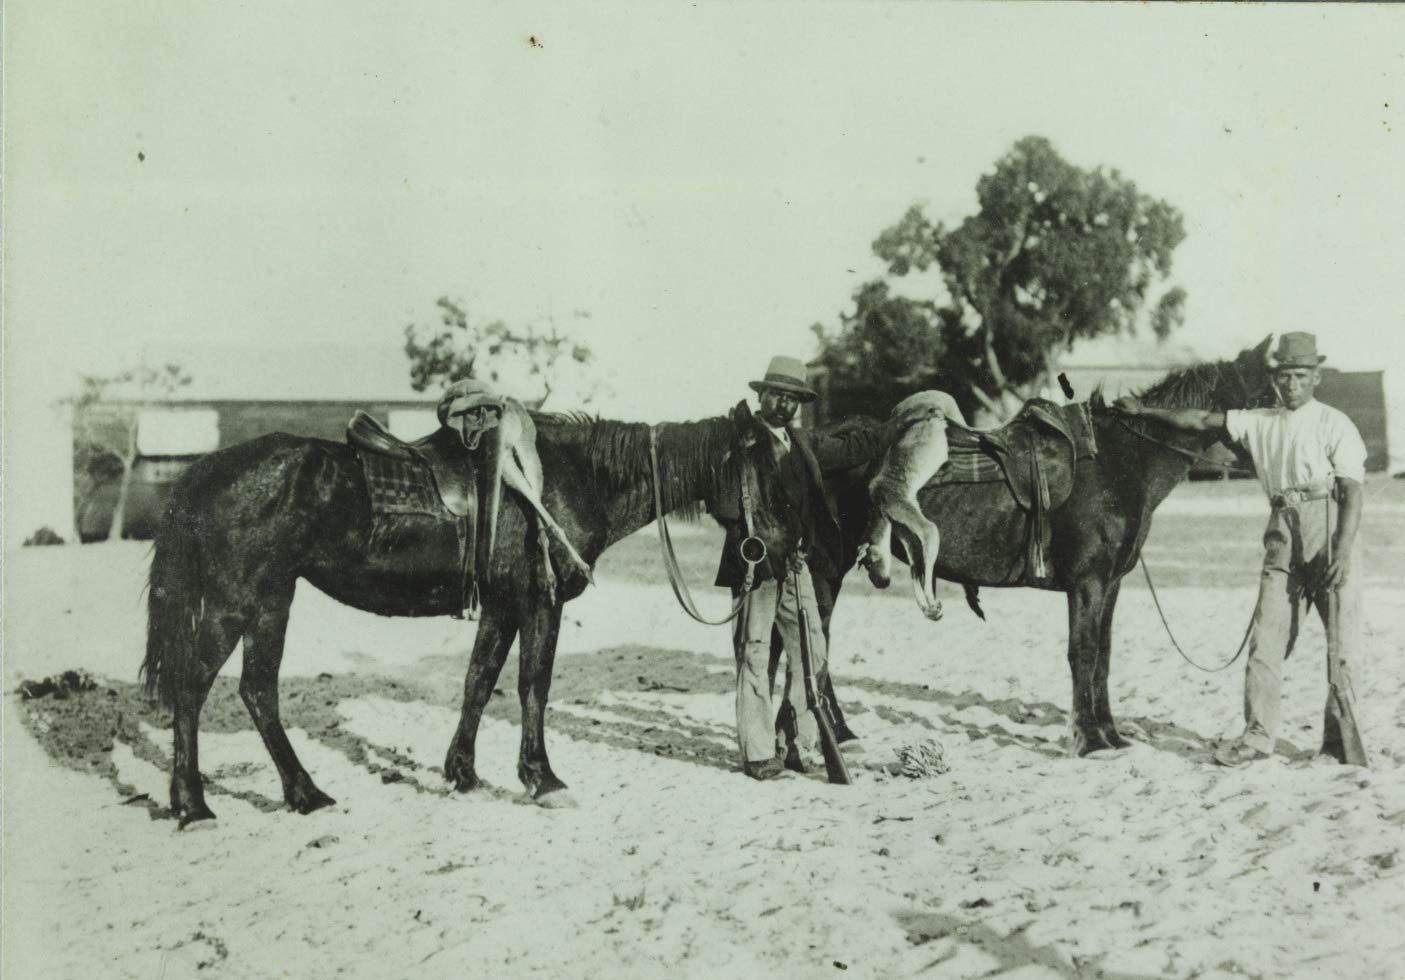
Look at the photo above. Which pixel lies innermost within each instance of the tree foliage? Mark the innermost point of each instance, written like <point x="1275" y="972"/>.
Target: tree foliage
<point x="106" y="411"/>
<point x="1054" y="253"/>
<point x="531" y="364"/>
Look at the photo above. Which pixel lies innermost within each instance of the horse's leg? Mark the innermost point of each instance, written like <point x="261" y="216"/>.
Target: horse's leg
<point x="215" y="639"/>
<point x="541" y="625"/>
<point x="496" y="631"/>
<point x="263" y="656"/>
<point x="1102" y="706"/>
<point x="1086" y="601"/>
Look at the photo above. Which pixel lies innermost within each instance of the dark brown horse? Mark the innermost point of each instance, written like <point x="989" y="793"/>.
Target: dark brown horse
<point x="1096" y="536"/>
<point x="245" y="523"/>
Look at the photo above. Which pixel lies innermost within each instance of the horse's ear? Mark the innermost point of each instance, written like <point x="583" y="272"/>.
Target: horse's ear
<point x="1262" y="348"/>
<point x="1096" y="399"/>
<point x="745" y="422"/>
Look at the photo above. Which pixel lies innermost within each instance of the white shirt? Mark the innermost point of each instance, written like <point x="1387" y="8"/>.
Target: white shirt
<point x="781" y="435"/>
<point x="1307" y="447"/>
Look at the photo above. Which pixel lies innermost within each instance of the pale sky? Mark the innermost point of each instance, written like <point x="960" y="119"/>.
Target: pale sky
<point x="703" y="180"/>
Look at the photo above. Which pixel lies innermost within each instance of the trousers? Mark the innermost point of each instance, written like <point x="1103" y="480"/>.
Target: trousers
<point x="775" y="602"/>
<point x="1295" y="563"/>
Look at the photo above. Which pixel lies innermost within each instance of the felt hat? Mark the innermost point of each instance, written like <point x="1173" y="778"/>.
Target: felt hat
<point x="786" y="374"/>
<point x="1296" y="350"/>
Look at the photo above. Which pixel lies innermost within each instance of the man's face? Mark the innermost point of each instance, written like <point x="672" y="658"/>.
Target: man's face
<point x="777" y="407"/>
<point x="1296" y="385"/>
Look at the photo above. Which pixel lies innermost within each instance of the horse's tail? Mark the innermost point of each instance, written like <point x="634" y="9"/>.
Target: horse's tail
<point x="174" y="600"/>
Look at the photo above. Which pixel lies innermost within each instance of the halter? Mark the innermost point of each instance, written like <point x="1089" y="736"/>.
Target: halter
<point x="752" y="549"/>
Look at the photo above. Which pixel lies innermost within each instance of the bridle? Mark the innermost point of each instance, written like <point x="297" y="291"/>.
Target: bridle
<point x="752" y="549"/>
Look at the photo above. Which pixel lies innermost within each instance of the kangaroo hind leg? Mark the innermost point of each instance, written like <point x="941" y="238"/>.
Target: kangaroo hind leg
<point x="514" y="474"/>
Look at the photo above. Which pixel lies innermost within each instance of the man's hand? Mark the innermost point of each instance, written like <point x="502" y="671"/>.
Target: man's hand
<point x="1337" y="571"/>
<point x="1128" y="405"/>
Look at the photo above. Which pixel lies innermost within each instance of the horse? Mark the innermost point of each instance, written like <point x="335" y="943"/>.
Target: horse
<point x="245" y="523"/>
<point x="1096" y="536"/>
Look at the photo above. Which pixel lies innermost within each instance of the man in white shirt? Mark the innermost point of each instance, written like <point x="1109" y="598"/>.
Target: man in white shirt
<point x="1306" y="454"/>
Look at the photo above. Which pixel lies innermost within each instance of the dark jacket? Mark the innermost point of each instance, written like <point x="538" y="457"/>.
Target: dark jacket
<point x="794" y="504"/>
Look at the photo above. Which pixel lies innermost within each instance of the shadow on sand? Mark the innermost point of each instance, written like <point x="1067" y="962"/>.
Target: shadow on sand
<point x="1012" y="950"/>
<point x="594" y="698"/>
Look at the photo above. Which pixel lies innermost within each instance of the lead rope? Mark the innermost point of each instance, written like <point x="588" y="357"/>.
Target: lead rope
<point x="1209" y="670"/>
<point x="670" y="558"/>
<point x="1141" y="559"/>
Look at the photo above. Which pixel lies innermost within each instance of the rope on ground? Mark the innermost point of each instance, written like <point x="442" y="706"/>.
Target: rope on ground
<point x="921" y="760"/>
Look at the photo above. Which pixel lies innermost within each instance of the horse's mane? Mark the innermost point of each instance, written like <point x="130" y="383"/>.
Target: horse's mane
<point x="618" y="454"/>
<point x="1192" y="387"/>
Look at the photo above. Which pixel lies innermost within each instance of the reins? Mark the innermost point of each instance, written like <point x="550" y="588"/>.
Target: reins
<point x="1192" y="456"/>
<point x="1154" y="598"/>
<point x="752" y="548"/>
<point x="1141" y="558"/>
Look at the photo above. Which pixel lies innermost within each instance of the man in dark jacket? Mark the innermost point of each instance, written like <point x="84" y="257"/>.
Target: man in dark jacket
<point x="798" y="521"/>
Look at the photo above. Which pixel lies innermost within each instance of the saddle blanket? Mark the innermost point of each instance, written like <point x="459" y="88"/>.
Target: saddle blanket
<point x="968" y="463"/>
<point x="401" y="487"/>
<point x="971" y="460"/>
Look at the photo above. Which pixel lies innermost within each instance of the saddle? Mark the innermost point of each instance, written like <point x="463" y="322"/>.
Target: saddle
<point x="434" y="476"/>
<point x="1036" y="454"/>
<point x="449" y="464"/>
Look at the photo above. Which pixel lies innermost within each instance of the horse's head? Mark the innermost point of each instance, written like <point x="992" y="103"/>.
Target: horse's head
<point x="1246" y="381"/>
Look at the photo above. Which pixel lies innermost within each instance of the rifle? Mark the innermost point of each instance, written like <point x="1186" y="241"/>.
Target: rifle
<point x="1353" y="751"/>
<point x="835" y="768"/>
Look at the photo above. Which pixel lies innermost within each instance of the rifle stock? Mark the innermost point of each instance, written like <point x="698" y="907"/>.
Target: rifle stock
<point x="835" y="769"/>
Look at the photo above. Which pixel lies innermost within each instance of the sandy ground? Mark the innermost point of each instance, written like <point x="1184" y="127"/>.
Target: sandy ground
<point x="1016" y="863"/>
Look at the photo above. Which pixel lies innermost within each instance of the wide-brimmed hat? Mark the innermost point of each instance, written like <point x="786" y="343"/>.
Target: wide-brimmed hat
<point x="786" y="374"/>
<point x="1296" y="350"/>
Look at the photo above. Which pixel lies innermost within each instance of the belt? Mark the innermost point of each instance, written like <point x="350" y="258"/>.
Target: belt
<point x="1292" y="496"/>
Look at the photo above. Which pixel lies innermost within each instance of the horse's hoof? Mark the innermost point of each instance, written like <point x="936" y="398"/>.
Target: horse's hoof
<point x="313" y="801"/>
<point x="193" y="814"/>
<point x="556" y="800"/>
<point x="459" y="771"/>
<point x="1115" y="739"/>
<point x="934" y="611"/>
<point x="1098" y="740"/>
